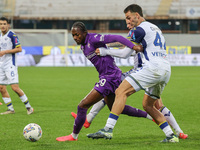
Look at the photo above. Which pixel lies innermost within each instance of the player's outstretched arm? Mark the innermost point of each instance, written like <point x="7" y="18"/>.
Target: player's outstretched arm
<point x="121" y="53"/>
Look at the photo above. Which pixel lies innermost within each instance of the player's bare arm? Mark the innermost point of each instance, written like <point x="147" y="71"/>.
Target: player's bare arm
<point x="15" y="50"/>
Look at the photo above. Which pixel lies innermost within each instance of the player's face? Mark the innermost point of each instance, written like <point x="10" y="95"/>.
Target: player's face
<point x="132" y="19"/>
<point x="4" y="26"/>
<point x="78" y="35"/>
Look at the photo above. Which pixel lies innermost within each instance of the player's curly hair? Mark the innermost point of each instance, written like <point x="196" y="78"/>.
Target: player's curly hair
<point x="80" y="25"/>
<point x="134" y="8"/>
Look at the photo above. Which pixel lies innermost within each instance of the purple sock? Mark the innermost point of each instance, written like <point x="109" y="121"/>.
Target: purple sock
<point x="131" y="111"/>
<point x="80" y="119"/>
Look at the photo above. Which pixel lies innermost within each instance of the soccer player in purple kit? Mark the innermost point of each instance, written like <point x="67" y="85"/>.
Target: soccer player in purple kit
<point x="109" y="74"/>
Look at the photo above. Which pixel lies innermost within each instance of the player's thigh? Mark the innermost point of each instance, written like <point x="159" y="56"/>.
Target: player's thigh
<point x="92" y="97"/>
<point x="125" y="88"/>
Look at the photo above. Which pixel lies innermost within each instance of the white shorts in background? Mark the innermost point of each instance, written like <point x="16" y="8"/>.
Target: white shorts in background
<point x="151" y="79"/>
<point x="9" y="75"/>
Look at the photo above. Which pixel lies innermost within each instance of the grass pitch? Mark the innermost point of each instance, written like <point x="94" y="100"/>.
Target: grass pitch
<point x="55" y="93"/>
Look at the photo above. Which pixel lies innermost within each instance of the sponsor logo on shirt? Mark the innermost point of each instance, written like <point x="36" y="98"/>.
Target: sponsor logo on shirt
<point x="91" y="55"/>
<point x="159" y="54"/>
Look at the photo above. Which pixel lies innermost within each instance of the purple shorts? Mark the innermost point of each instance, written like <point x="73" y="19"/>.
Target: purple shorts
<point x="108" y="84"/>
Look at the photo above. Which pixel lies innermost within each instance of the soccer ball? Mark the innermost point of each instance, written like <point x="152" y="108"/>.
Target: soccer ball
<point x="32" y="132"/>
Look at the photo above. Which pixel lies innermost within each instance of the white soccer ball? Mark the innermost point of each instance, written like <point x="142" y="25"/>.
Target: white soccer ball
<point x="32" y="132"/>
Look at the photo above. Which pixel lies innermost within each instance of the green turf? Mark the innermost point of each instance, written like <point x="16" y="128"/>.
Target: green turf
<point x="55" y="92"/>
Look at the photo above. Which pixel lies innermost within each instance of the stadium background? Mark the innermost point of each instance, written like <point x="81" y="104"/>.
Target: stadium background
<point x="43" y="28"/>
<point x="55" y="92"/>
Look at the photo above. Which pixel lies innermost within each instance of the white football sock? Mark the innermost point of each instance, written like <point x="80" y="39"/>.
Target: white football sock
<point x="95" y="110"/>
<point x="110" y="124"/>
<point x="168" y="131"/>
<point x="149" y="117"/>
<point x="25" y="100"/>
<point x="75" y="136"/>
<point x="171" y="120"/>
<point x="8" y="102"/>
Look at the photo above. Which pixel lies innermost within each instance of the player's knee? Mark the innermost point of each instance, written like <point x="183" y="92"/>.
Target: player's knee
<point x="119" y="92"/>
<point x="2" y="88"/>
<point x="158" y="104"/>
<point x="147" y="107"/>
<point x="84" y="104"/>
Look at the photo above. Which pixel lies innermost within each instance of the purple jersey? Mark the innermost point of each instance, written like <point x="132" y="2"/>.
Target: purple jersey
<point x="104" y="65"/>
<point x="109" y="73"/>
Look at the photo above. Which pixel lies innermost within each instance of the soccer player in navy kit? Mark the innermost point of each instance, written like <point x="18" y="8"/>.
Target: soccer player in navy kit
<point x="109" y="73"/>
<point x="9" y="46"/>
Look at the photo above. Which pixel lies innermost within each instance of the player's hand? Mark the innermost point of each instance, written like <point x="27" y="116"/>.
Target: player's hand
<point x="2" y="53"/>
<point x="97" y="51"/>
<point x="138" y="48"/>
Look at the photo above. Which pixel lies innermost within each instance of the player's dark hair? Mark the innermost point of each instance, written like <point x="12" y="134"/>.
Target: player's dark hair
<point x="134" y="8"/>
<point x="5" y="19"/>
<point x="80" y="25"/>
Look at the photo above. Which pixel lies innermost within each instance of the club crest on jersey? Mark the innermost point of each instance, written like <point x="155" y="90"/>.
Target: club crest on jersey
<point x="88" y="45"/>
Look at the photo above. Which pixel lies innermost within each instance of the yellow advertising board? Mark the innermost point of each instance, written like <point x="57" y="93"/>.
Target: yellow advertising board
<point x="47" y="50"/>
<point x="178" y="49"/>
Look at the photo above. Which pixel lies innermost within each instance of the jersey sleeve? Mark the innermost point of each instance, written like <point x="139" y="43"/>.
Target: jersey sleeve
<point x="136" y="35"/>
<point x="15" y="41"/>
<point x="105" y="39"/>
